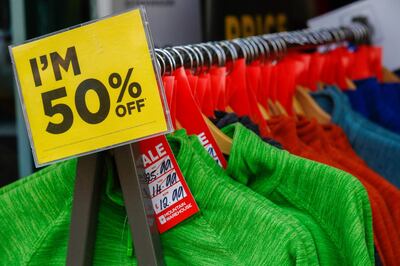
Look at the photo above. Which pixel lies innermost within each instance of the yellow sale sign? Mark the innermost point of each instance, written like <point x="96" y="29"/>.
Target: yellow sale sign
<point x="89" y="88"/>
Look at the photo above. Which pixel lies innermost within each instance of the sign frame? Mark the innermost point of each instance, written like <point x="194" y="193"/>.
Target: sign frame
<point x="155" y="67"/>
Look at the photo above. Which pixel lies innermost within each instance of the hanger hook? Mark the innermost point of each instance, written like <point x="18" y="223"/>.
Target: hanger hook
<point x="242" y="49"/>
<point x="269" y="40"/>
<point x="260" y="47"/>
<point x="173" y="49"/>
<point x="257" y="48"/>
<point x="310" y="36"/>
<point x="198" y="60"/>
<point x="264" y="43"/>
<point x="209" y="55"/>
<point x="202" y="59"/>
<point x="188" y="53"/>
<point x="217" y="53"/>
<point x="222" y="52"/>
<point x="251" y="48"/>
<point x="279" y="44"/>
<point x="230" y="48"/>
<point x="162" y="64"/>
<point x="170" y="59"/>
<point x="284" y="47"/>
<point x="234" y="55"/>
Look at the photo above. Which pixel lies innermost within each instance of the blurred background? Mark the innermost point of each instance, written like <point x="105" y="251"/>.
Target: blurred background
<point x="172" y="22"/>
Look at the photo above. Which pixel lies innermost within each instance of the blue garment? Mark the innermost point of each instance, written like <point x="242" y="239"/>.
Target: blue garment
<point x="379" y="147"/>
<point x="379" y="103"/>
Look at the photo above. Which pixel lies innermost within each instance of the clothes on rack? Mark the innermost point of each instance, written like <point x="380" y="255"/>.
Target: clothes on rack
<point x="376" y="145"/>
<point x="309" y="173"/>
<point x="204" y="240"/>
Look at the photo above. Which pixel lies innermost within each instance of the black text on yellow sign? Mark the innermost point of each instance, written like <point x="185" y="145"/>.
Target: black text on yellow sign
<point x="89" y="88"/>
<point x="115" y="81"/>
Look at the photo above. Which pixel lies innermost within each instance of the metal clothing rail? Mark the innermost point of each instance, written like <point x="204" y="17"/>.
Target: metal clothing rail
<point x="268" y="46"/>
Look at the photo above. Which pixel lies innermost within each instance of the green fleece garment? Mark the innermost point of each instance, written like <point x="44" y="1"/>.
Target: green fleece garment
<point x="235" y="226"/>
<point x="331" y="203"/>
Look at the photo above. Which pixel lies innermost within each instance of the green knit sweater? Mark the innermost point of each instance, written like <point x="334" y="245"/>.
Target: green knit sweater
<point x="235" y="226"/>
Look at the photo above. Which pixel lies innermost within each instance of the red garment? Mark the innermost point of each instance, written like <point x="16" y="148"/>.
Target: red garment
<point x="284" y="130"/>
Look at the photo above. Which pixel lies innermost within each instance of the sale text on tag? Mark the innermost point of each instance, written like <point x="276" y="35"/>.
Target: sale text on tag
<point x="169" y="193"/>
<point x="90" y="88"/>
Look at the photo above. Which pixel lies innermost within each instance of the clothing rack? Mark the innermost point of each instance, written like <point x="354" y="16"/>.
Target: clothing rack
<point x="90" y="169"/>
<point x="268" y="46"/>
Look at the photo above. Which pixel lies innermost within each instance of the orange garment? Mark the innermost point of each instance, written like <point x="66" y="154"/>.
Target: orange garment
<point x="313" y="135"/>
<point x="390" y="193"/>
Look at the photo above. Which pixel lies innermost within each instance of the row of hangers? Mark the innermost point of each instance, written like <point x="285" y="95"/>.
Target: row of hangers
<point x="271" y="49"/>
<point x="200" y="57"/>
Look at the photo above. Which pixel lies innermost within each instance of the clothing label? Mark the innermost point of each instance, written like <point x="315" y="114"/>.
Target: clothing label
<point x="209" y="148"/>
<point x="170" y="195"/>
<point x="89" y="88"/>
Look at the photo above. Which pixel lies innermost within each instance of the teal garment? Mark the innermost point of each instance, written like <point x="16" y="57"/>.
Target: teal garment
<point x="235" y="226"/>
<point x="380" y="148"/>
<point x="331" y="203"/>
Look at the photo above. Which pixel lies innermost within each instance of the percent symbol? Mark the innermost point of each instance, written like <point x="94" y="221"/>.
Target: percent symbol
<point x="134" y="90"/>
<point x="115" y="81"/>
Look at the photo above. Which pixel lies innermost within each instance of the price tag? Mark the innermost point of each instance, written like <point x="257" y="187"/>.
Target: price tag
<point x="90" y="87"/>
<point x="170" y="195"/>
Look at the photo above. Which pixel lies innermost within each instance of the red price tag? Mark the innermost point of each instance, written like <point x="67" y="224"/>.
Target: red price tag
<point x="170" y="195"/>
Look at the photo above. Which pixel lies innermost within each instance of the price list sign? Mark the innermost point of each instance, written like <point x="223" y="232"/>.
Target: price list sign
<point x="90" y="88"/>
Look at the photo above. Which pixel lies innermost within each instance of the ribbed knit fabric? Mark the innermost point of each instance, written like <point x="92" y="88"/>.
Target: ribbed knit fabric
<point x="384" y="197"/>
<point x="321" y="139"/>
<point x="313" y="189"/>
<point x="235" y="226"/>
<point x="284" y="129"/>
<point x="379" y="103"/>
<point x="379" y="147"/>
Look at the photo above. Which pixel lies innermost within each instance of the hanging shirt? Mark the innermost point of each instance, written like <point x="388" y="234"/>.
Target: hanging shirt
<point x="311" y="188"/>
<point x="379" y="103"/>
<point x="379" y="147"/>
<point x="384" y="197"/>
<point x="235" y="225"/>
<point x="284" y="129"/>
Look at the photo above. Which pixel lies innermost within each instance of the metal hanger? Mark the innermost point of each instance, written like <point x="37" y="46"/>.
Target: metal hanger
<point x="196" y="59"/>
<point x="243" y="51"/>
<point x="188" y="53"/>
<point x="209" y="55"/>
<point x="175" y="51"/>
<point x="233" y="53"/>
<point x="167" y="56"/>
<point x="200" y="58"/>
<point x="162" y="64"/>
<point x="217" y="52"/>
